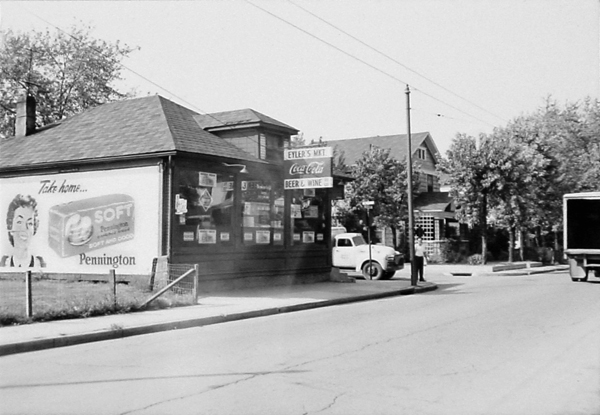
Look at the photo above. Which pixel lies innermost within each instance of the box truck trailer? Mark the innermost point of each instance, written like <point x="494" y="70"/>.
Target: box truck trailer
<point x="581" y="221"/>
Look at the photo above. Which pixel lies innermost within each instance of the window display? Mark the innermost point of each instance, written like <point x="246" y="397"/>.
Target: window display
<point x="263" y="206"/>
<point x="307" y="214"/>
<point x="217" y="209"/>
<point x="204" y="206"/>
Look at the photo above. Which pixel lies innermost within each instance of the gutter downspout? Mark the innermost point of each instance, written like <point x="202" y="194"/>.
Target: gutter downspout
<point x="169" y="190"/>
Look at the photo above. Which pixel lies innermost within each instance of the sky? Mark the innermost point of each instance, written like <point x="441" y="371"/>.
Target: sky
<point x="338" y="69"/>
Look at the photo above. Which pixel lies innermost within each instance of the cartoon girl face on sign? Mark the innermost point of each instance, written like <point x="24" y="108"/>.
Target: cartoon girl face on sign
<point x="22" y="223"/>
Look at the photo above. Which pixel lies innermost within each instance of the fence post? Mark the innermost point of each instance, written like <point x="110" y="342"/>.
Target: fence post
<point x="113" y="281"/>
<point x="196" y="275"/>
<point x="153" y="274"/>
<point x="28" y="295"/>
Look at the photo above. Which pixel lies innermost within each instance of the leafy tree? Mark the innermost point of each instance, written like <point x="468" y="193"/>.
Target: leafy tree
<point x="298" y="140"/>
<point x="520" y="178"/>
<point x="517" y="176"/>
<point x="567" y="140"/>
<point x="486" y="177"/>
<point x="339" y="160"/>
<point x="382" y="179"/>
<point x="66" y="72"/>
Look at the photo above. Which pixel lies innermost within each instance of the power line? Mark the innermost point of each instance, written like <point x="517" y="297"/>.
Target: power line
<point x="393" y="60"/>
<point x="363" y="61"/>
<point x="439" y="115"/>
<point x="298" y="28"/>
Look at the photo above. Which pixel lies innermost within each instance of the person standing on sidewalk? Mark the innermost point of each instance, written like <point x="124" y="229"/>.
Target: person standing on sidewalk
<point x="420" y="258"/>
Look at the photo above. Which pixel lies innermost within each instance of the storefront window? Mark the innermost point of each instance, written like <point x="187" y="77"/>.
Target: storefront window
<point x="308" y="217"/>
<point x="204" y="208"/>
<point x="263" y="206"/>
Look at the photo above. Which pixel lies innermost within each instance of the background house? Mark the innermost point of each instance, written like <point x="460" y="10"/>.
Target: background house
<point x="433" y="208"/>
<point x="425" y="153"/>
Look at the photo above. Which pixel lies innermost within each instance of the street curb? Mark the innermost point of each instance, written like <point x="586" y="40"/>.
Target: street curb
<point x="528" y="271"/>
<point x="72" y="340"/>
<point x="510" y="273"/>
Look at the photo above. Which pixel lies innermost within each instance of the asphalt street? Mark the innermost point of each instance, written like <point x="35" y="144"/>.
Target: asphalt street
<point x="476" y="345"/>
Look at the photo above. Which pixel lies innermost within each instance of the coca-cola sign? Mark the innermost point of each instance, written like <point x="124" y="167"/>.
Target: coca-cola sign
<point x="312" y="168"/>
<point x="307" y="167"/>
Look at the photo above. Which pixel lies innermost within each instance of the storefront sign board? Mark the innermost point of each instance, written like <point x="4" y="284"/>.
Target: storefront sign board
<point x="306" y="168"/>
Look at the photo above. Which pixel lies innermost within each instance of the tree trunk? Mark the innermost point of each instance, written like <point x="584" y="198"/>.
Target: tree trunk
<point x="554" y="254"/>
<point x="483" y="221"/>
<point x="511" y="244"/>
<point x="521" y="246"/>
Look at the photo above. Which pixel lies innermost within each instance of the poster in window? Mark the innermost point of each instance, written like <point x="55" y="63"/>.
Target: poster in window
<point x="180" y="205"/>
<point x="263" y="237"/>
<point x="296" y="211"/>
<point x="311" y="212"/>
<point x="248" y="221"/>
<point x="204" y="199"/>
<point x="264" y="218"/>
<point x="308" y="237"/>
<point x="207" y="236"/>
<point x="309" y="193"/>
<point x="207" y="179"/>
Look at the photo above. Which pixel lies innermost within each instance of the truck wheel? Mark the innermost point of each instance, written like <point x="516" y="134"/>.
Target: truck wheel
<point x="372" y="271"/>
<point x="388" y="275"/>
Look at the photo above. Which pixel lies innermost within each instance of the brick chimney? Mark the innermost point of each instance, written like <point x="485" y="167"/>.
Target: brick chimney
<point x="25" y="122"/>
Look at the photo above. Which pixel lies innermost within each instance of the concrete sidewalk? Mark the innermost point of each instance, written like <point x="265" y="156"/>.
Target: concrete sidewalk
<point x="211" y="309"/>
<point x="216" y="308"/>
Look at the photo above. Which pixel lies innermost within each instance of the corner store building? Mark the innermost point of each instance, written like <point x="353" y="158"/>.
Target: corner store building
<point x="155" y="178"/>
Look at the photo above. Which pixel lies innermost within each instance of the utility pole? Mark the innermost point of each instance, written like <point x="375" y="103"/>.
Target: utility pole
<point x="411" y="220"/>
<point x="369" y="205"/>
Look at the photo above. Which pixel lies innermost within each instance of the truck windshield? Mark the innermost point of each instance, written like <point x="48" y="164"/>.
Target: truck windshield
<point x="358" y="240"/>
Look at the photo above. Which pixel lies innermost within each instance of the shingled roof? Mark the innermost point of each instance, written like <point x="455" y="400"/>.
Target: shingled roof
<point x="434" y="202"/>
<point x="354" y="148"/>
<point x="137" y="127"/>
<point x="240" y="118"/>
<point x="437" y="204"/>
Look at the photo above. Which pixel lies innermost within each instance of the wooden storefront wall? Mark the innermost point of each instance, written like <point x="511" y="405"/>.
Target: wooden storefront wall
<point x="239" y="227"/>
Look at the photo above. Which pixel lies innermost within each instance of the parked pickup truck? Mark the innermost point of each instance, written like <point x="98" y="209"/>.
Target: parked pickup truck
<point x="350" y="251"/>
<point x="581" y="221"/>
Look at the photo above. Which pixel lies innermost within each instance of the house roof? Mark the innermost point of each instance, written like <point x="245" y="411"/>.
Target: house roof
<point x="354" y="148"/>
<point x="434" y="202"/>
<point x="136" y="127"/>
<point x="239" y="118"/>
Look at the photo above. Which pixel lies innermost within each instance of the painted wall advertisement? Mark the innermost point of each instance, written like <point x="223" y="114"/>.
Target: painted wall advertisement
<point x="86" y="222"/>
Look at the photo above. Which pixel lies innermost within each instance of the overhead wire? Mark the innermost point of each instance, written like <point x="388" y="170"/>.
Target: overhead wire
<point x="392" y="59"/>
<point x="363" y="61"/>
